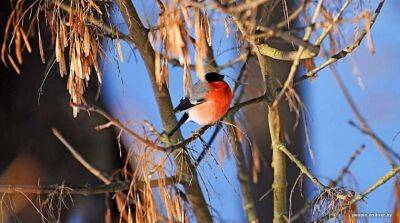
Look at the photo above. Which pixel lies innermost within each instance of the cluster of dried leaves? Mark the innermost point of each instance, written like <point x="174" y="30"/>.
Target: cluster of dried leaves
<point x="330" y="201"/>
<point x="179" y="27"/>
<point x="141" y="201"/>
<point x="396" y="211"/>
<point x="77" y="42"/>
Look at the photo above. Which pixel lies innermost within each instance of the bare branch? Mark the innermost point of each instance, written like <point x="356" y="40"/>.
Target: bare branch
<point x="118" y="124"/>
<point x="344" y="52"/>
<point x="78" y="157"/>
<point x="269" y="51"/>
<point x="346" y="168"/>
<point x="86" y="190"/>
<point x="302" y="167"/>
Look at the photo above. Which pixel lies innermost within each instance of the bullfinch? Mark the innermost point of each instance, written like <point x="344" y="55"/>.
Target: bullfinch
<point x="208" y="103"/>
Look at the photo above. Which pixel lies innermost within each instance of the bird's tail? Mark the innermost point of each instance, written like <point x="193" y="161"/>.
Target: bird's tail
<point x="183" y="119"/>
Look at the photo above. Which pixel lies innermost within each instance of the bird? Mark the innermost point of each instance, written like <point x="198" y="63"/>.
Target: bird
<point x="208" y="103"/>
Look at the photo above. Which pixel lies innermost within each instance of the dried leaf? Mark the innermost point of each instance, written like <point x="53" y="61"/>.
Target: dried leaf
<point x="221" y="151"/>
<point x="63" y="35"/>
<point x="309" y="64"/>
<point x="86" y="41"/>
<point x="119" y="51"/>
<point x="18" y="50"/>
<point x="227" y="27"/>
<point x="207" y="28"/>
<point x="349" y="216"/>
<point x="396" y="211"/>
<point x="370" y="42"/>
<point x="6" y="33"/>
<point x="26" y="41"/>
<point x="187" y="81"/>
<point x="78" y="59"/>
<point x="41" y="50"/>
<point x="14" y="65"/>
<point x="58" y="50"/>
<point x="157" y="68"/>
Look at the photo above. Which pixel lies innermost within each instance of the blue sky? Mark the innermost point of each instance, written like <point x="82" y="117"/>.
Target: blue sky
<point x="129" y="95"/>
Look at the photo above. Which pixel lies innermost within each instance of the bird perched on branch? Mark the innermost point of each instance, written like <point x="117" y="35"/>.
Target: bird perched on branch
<point x="208" y="103"/>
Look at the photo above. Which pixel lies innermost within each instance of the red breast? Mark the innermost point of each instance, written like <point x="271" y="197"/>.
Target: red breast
<point x="217" y="102"/>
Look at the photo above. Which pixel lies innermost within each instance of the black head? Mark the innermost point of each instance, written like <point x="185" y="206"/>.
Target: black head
<point x="213" y="77"/>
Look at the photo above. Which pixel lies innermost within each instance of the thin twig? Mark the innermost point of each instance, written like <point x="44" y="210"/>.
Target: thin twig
<point x="118" y="124"/>
<point x="387" y="152"/>
<point x="78" y="157"/>
<point x="302" y="167"/>
<point x="346" y="168"/>
<point x="85" y="190"/>
<point x="344" y="52"/>
<point x="337" y="17"/>
<point x="293" y="15"/>
<point x="293" y="69"/>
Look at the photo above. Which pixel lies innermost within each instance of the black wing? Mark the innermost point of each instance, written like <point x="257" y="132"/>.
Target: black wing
<point x="186" y="103"/>
<point x="197" y="97"/>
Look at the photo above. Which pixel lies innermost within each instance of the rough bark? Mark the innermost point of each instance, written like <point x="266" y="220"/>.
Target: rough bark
<point x="259" y="129"/>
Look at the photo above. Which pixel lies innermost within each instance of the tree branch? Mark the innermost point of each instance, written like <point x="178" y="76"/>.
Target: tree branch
<point x="86" y="190"/>
<point x="344" y="52"/>
<point x="184" y="166"/>
<point x="302" y="167"/>
<point x="277" y="54"/>
<point x="115" y="122"/>
<point x="78" y="157"/>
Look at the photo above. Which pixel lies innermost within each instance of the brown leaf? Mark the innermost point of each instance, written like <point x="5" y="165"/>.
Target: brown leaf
<point x="157" y="68"/>
<point x="41" y="51"/>
<point x="187" y="80"/>
<point x="14" y="65"/>
<point x="6" y="33"/>
<point x="207" y="28"/>
<point x="18" y="49"/>
<point x="119" y="51"/>
<point x="396" y="211"/>
<point x="221" y="151"/>
<point x="86" y="41"/>
<point x="309" y="64"/>
<point x="26" y="41"/>
<point x="349" y="215"/>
